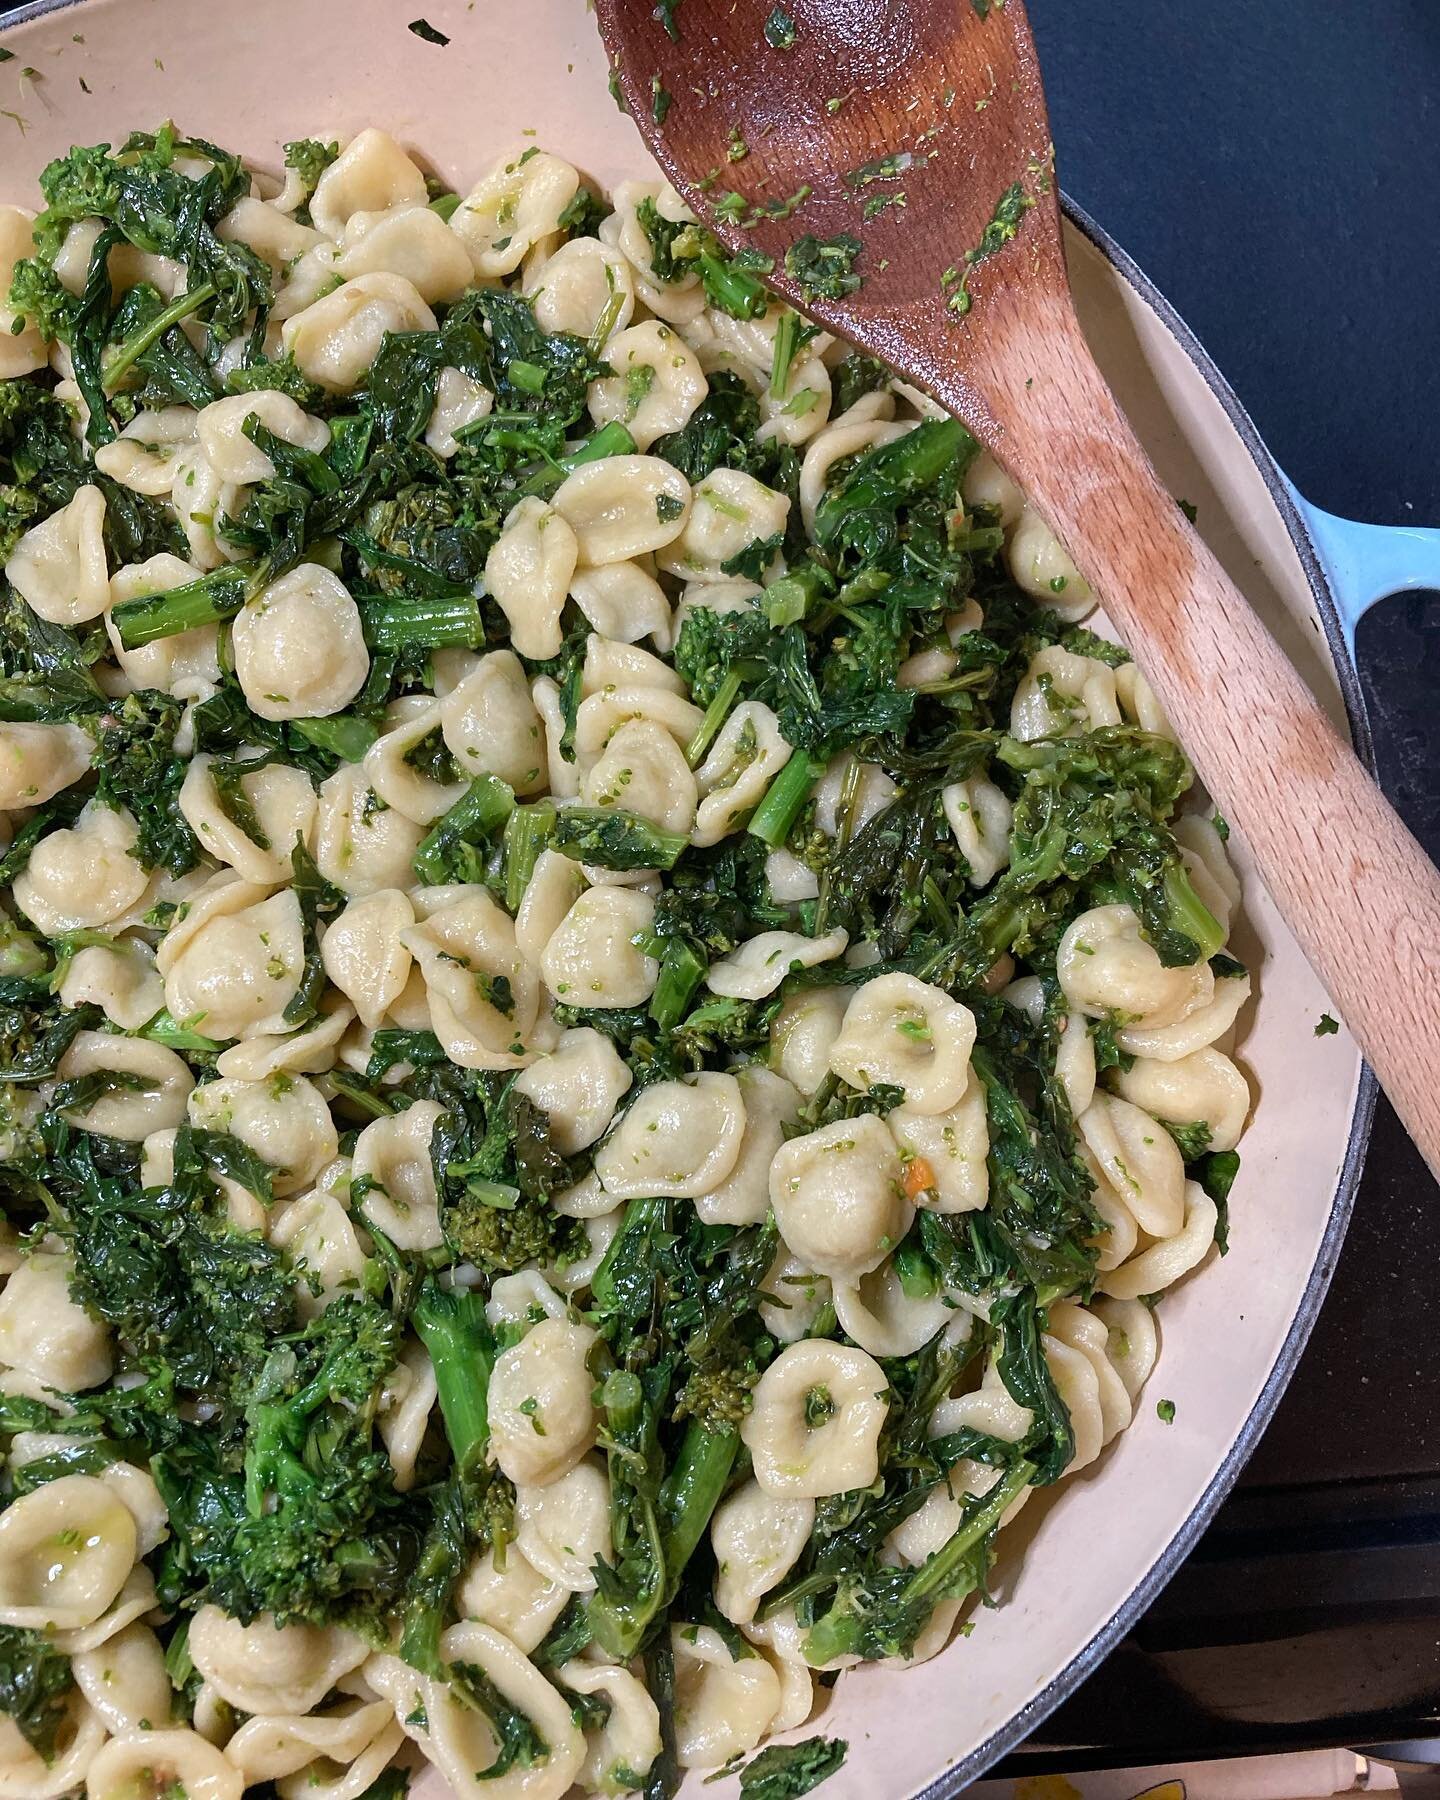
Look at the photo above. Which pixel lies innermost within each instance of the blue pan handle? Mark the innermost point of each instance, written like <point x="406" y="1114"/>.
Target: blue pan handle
<point x="1365" y="563"/>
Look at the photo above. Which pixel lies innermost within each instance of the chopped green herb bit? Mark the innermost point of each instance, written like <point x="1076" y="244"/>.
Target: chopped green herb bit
<point x="1165" y="1411"/>
<point x="780" y="30"/>
<point x="1327" y="1026"/>
<point x="424" y="29"/>
<point x="824" y="269"/>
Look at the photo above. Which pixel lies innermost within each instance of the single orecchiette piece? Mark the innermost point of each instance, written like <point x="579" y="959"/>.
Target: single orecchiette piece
<point x="490" y="724"/>
<point x="591" y="958"/>
<point x="1204" y="1086"/>
<point x="1205" y="1025"/>
<point x="904" y="1032"/>
<point x="839" y="1197"/>
<point x="406" y="1402"/>
<point x="186" y="665"/>
<point x="804" y="1033"/>
<point x="620" y="1751"/>
<point x="363" y="954"/>
<point x="730" y="510"/>
<point x="1106" y="966"/>
<point x="235" y="961"/>
<point x="394" y="1154"/>
<point x="876" y="1313"/>
<point x="985" y="483"/>
<point x="58" y="567"/>
<point x="760" y="964"/>
<point x="1133" y="1340"/>
<point x="527" y="574"/>
<point x="953" y="1147"/>
<point x="577" y="1086"/>
<point x="65" y="1552"/>
<point x="771" y="1105"/>
<point x="283" y="802"/>
<point x="814" y="1428"/>
<point x="1160" y="1266"/>
<point x="757" y="1538"/>
<point x="1062" y="694"/>
<point x="37" y="761"/>
<point x="1141" y="1162"/>
<point x="118" y="977"/>
<point x="150" y="1089"/>
<point x="410" y="241"/>
<point x="483" y="995"/>
<point x="22" y="348"/>
<point x="1075" y="1062"/>
<point x="299" y="649"/>
<point x="657" y="384"/>
<point x="563" y="1528"/>
<point x="47" y="1334"/>
<point x="370" y="174"/>
<point x="514" y="1598"/>
<point x="145" y="456"/>
<point x="460" y="401"/>
<point x="542" y="1417"/>
<point x="679" y="1137"/>
<point x="513" y="207"/>
<point x="276" y="1745"/>
<point x="162" y="1762"/>
<point x="1040" y="567"/>
<point x="554" y="886"/>
<point x="724" y="1704"/>
<point x="285" y="1121"/>
<point x="622" y="601"/>
<point x="335" y="339"/>
<point x="265" y="1668"/>
<point x="979" y="815"/>
<point x="220" y="428"/>
<point x="643" y="770"/>
<point x="744" y="759"/>
<point x="361" y="843"/>
<point x="1202" y="850"/>
<point x="126" y="1681"/>
<point x="623" y="506"/>
<point x="586" y="288"/>
<point x="83" y="877"/>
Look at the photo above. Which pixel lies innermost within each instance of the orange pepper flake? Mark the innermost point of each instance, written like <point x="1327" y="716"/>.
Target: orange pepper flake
<point x="919" y="1177"/>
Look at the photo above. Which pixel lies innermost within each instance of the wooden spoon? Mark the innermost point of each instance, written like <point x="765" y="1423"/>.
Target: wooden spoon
<point x="919" y="128"/>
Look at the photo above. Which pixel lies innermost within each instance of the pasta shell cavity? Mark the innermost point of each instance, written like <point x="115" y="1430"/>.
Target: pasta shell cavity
<point x="623" y="506"/>
<point x="1108" y="968"/>
<point x="299" y="648"/>
<point x="903" y="1032"/>
<point x="392" y="1160"/>
<point x="542" y="1416"/>
<point x="483" y="995"/>
<point x="143" y="1087"/>
<point x="512" y="208"/>
<point x="814" y="1428"/>
<point x="729" y="512"/>
<point x="265" y="1668"/>
<point x="47" y="1334"/>
<point x="623" y="1748"/>
<point x="284" y="1120"/>
<point x="490" y="724"/>
<point x="578" y="1086"/>
<point x="362" y="843"/>
<point x="58" y="567"/>
<point x="643" y="770"/>
<point x="952" y="1146"/>
<point x="65" y="1552"/>
<point x="591" y="959"/>
<point x="563" y="1527"/>
<point x="839" y="1198"/>
<point x="679" y="1137"/>
<point x="513" y="1597"/>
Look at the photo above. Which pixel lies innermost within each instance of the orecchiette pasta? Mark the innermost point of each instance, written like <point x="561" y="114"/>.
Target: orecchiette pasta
<point x="551" y="956"/>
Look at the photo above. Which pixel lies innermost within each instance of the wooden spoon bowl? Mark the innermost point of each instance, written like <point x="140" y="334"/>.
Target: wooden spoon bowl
<point x="906" y="143"/>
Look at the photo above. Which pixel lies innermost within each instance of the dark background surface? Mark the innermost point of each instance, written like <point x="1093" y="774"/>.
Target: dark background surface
<point x="1275" y="168"/>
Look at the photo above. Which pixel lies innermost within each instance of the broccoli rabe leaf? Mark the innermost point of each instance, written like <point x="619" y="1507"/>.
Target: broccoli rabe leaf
<point x="35" y="1683"/>
<point x="785" y="1771"/>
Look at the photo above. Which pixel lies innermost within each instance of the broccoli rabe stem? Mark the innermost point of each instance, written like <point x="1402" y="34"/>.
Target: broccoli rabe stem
<point x="527" y="831"/>
<point x="488" y="804"/>
<point x="734" y="290"/>
<point x="129" y="352"/>
<point x="219" y="595"/>
<point x="896" y="473"/>
<point x="858" y="1617"/>
<point x="774" y="818"/>
<point x="451" y="1324"/>
<point x="437" y="622"/>
<point x="610" y="440"/>
<point x="690" y="1493"/>
<point x="789" y="600"/>
<point x="681" y="972"/>
<point x="342" y="735"/>
<point x="716" y="714"/>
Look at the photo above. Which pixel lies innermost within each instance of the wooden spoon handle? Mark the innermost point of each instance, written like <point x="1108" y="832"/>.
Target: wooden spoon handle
<point x="1359" y="893"/>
